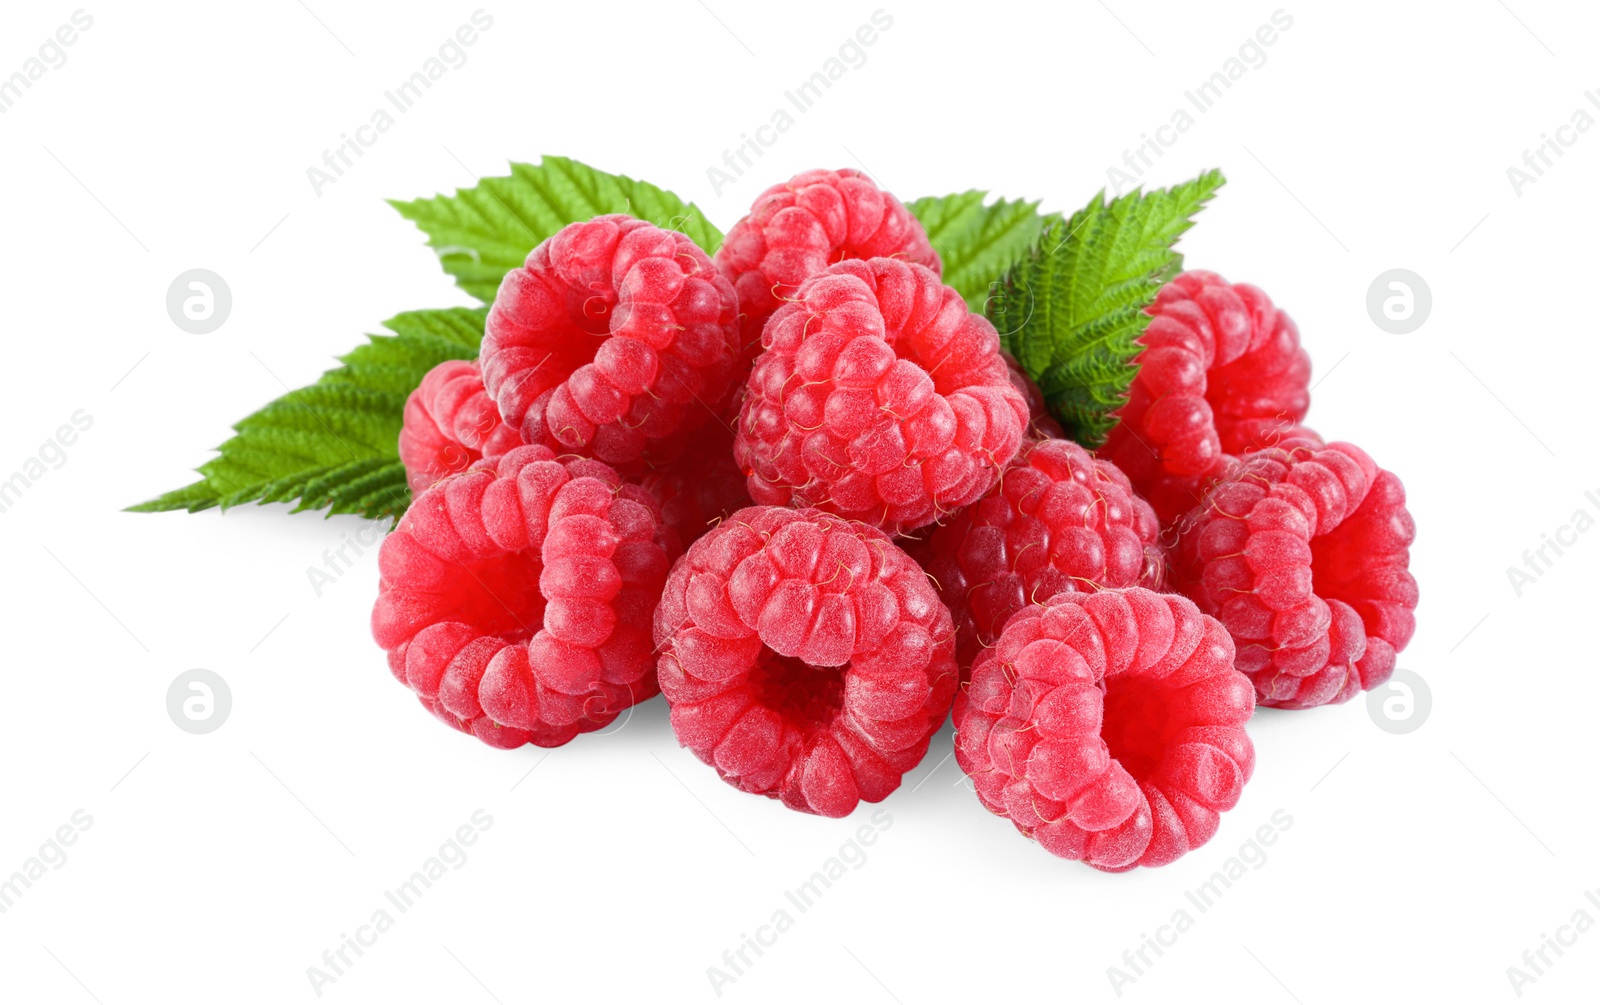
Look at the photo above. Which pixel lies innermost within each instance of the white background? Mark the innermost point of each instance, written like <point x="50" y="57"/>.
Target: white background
<point x="220" y="867"/>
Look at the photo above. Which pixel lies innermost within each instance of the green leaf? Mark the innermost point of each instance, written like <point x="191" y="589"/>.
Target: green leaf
<point x="334" y="445"/>
<point x="483" y="232"/>
<point x="1072" y="309"/>
<point x="976" y="242"/>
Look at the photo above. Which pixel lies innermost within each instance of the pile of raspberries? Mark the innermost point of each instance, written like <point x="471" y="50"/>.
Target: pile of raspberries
<point x="800" y="491"/>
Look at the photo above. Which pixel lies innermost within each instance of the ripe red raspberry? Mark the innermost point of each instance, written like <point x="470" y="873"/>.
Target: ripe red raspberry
<point x="805" y="657"/>
<point x="800" y="227"/>
<point x="1059" y="520"/>
<point x="515" y="599"/>
<point x="1041" y="423"/>
<point x="450" y="424"/>
<point x="702" y="486"/>
<point x="613" y="336"/>
<point x="1109" y="727"/>
<point x="1221" y="372"/>
<point x="1302" y="553"/>
<point x="878" y="397"/>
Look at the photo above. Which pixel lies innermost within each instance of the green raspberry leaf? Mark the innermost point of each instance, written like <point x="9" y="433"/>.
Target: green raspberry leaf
<point x="976" y="242"/>
<point x="1072" y="310"/>
<point x="483" y="232"/>
<point x="335" y="445"/>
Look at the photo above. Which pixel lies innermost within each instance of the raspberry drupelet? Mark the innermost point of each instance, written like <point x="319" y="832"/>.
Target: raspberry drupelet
<point x="805" y="657"/>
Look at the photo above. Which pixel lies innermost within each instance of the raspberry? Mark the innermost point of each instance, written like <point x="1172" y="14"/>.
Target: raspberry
<point x="798" y="228"/>
<point x="1059" y="520"/>
<point x="1221" y="372"/>
<point x="612" y="337"/>
<point x="702" y="487"/>
<point x="878" y="397"/>
<point x="1302" y="553"/>
<point x="450" y="424"/>
<point x="1041" y="423"/>
<point x="1109" y="726"/>
<point x="805" y="657"/>
<point x="515" y="599"/>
